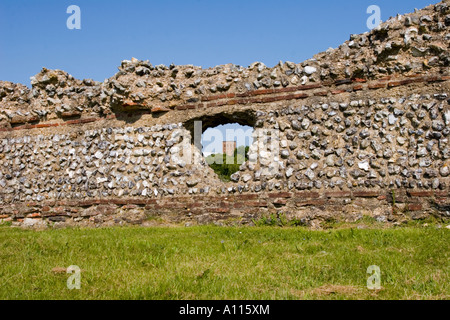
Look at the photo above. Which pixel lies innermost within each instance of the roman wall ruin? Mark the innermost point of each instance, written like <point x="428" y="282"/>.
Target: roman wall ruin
<point x="358" y="130"/>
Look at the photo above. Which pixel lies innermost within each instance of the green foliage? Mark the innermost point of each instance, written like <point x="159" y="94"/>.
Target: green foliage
<point x="224" y="166"/>
<point x="394" y="210"/>
<point x="271" y="221"/>
<point x="277" y="220"/>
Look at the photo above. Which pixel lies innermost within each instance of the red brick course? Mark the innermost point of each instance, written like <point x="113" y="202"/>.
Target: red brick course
<point x="250" y="97"/>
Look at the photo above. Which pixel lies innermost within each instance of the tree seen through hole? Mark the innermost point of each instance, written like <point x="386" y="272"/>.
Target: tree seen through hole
<point x="219" y="155"/>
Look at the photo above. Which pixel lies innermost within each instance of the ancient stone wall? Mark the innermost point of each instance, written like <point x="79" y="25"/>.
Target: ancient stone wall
<point x="358" y="130"/>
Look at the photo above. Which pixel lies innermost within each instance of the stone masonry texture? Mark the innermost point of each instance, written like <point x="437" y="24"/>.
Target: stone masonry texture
<point x="358" y="130"/>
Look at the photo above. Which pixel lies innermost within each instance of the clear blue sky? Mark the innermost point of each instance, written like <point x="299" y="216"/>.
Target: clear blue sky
<point x="200" y="32"/>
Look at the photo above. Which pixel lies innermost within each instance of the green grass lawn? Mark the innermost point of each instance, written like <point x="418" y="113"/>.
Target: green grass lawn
<point x="225" y="263"/>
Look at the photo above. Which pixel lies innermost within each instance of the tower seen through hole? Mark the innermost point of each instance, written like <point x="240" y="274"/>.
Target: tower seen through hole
<point x="225" y="148"/>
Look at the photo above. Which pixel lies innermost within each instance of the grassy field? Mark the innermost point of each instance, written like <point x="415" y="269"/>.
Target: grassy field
<point x="225" y="263"/>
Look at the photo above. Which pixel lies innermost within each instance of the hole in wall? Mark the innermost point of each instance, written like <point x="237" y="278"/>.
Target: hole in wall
<point x="224" y="141"/>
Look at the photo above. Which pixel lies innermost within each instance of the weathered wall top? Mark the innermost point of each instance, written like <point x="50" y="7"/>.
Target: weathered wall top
<point x="413" y="44"/>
